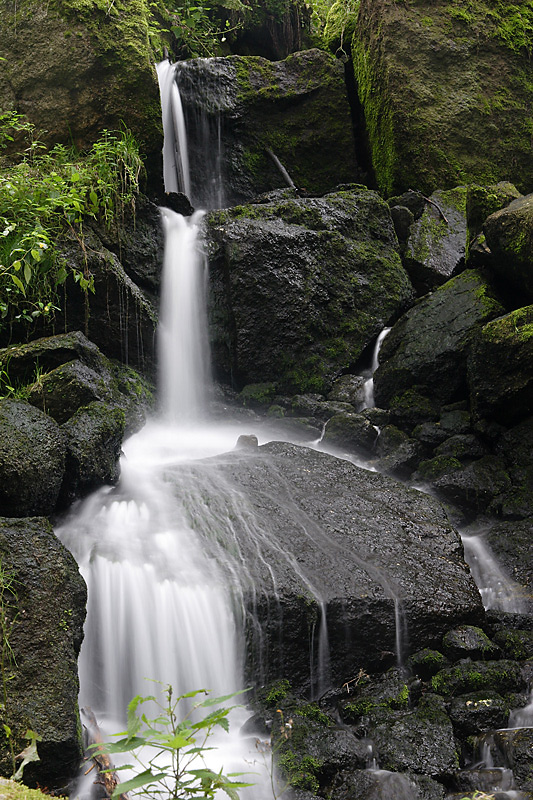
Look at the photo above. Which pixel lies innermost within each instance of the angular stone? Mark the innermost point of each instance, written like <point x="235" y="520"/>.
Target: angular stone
<point x="351" y="431"/>
<point x="509" y="235"/>
<point x="500" y="368"/>
<point x="437" y="244"/>
<point x="299" y="287"/>
<point x="427" y="347"/>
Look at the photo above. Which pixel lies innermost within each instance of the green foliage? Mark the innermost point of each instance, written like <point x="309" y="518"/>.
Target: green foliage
<point x="301" y="773"/>
<point x="8" y="618"/>
<point x="47" y="195"/>
<point x="170" y="751"/>
<point x="278" y="692"/>
<point x="202" y="28"/>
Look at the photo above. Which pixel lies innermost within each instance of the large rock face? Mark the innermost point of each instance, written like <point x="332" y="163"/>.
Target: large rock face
<point x="335" y="547"/>
<point x="426" y="349"/>
<point x="299" y="286"/>
<point x="76" y="68"/>
<point x="45" y="623"/>
<point x="445" y="91"/>
<point x="297" y="108"/>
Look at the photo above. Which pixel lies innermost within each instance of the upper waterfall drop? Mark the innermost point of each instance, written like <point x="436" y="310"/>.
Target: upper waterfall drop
<point x="176" y="174"/>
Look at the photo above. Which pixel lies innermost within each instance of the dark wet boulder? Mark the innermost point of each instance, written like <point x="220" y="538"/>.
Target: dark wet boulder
<point x="437" y="242"/>
<point x="359" y="545"/>
<point x="482" y="201"/>
<point x="62" y="391"/>
<point x="500" y="368"/>
<point x="509" y="234"/>
<point x="468" y="642"/>
<point x="93" y="445"/>
<point x="427" y="662"/>
<point x="420" y="740"/>
<point x="299" y="287"/>
<point x="32" y="460"/>
<point x="512" y="543"/>
<point x="349" y="389"/>
<point x="46" y="611"/>
<point x="427" y="347"/>
<point x="398" y="454"/>
<point x="24" y="362"/>
<point x="471" y="487"/>
<point x="352" y="432"/>
<point x="463" y="447"/>
<point x="446" y="96"/>
<point x="515" y="446"/>
<point x="472" y="714"/>
<point x="380" y="784"/>
<point x="118" y="317"/>
<point x="293" y="110"/>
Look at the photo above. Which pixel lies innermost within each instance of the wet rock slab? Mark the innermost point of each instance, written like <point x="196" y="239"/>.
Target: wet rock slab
<point x="318" y="532"/>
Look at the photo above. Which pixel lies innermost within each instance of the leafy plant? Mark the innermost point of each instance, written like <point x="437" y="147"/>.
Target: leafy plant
<point x="47" y="195"/>
<point x="171" y="751"/>
<point x="201" y="28"/>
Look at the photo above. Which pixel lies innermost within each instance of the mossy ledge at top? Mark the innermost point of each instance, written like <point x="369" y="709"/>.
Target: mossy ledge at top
<point x="446" y="91"/>
<point x="75" y="67"/>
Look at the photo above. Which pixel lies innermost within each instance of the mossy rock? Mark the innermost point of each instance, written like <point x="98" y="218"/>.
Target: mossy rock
<point x="499" y="676"/>
<point x="427" y="348"/>
<point x="468" y="641"/>
<point x="446" y="92"/>
<point x="350" y="431"/>
<point x="482" y="201"/>
<point x="473" y="714"/>
<point x="32" y="460"/>
<point x="45" y="638"/>
<point x="509" y="235"/>
<point x="436" y="247"/>
<point x="295" y="108"/>
<point x="90" y="66"/>
<point x="93" y="445"/>
<point x="299" y="287"/>
<point x="500" y="368"/>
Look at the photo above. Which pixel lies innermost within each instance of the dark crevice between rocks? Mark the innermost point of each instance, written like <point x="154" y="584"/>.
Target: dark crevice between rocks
<point x="363" y="156"/>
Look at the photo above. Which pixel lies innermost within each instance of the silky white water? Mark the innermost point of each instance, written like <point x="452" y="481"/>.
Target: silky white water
<point x="176" y="174"/>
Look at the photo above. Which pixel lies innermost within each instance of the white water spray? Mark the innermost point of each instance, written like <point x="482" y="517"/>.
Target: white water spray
<point x="369" y="383"/>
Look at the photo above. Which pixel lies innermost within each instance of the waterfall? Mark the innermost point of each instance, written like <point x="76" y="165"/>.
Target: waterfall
<point x="175" y="152"/>
<point x="369" y="383"/>
<point x="497" y="590"/>
<point x="182" y="339"/>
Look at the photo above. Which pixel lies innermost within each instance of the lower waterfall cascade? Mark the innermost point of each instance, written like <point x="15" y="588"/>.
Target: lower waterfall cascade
<point x="168" y="583"/>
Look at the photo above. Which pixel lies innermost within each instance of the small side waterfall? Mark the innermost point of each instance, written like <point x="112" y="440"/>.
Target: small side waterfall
<point x="369" y="383"/>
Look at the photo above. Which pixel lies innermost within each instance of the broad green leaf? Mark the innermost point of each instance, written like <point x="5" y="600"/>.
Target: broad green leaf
<point x="16" y="265"/>
<point x="36" y="254"/>
<point x="27" y="273"/>
<point x="125" y="745"/>
<point x="18" y="283"/>
<point x="135" y="783"/>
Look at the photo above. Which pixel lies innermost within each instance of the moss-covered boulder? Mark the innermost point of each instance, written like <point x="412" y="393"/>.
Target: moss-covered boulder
<point x="59" y="374"/>
<point x="482" y="201"/>
<point x="427" y="347"/>
<point x="32" y="460"/>
<point x="437" y="243"/>
<point x="509" y="235"/>
<point x="500" y="368"/>
<point x="93" y="441"/>
<point x="75" y="67"/>
<point x="297" y="109"/>
<point x="43" y="597"/>
<point x="446" y="91"/>
<point x="299" y="287"/>
<point x="352" y="432"/>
